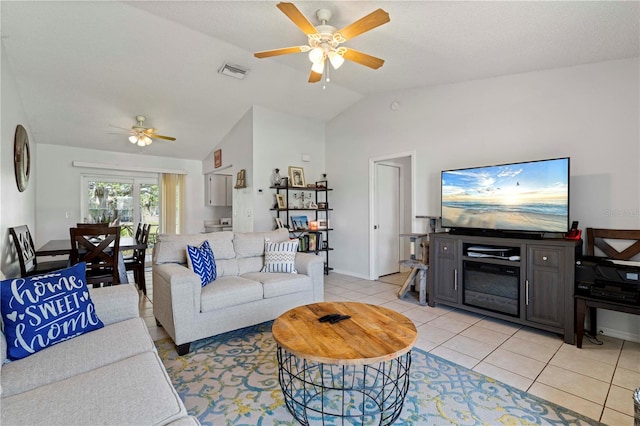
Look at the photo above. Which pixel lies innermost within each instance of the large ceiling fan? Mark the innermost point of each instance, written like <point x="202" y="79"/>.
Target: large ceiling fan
<point x="141" y="135"/>
<point x="324" y="40"/>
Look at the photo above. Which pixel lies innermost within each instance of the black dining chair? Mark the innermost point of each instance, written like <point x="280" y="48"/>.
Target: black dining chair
<point x="99" y="247"/>
<point x="136" y="262"/>
<point x="29" y="264"/>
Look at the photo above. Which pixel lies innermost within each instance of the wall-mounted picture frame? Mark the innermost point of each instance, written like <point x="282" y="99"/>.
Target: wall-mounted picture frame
<point x="240" y="182"/>
<point x="282" y="203"/>
<point x="217" y="158"/>
<point x="296" y="177"/>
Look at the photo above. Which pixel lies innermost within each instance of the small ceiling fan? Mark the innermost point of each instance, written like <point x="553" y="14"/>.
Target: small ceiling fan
<point x="324" y="40"/>
<point x="142" y="136"/>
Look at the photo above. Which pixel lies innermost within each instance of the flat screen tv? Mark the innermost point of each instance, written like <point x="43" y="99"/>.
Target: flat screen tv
<point x="529" y="197"/>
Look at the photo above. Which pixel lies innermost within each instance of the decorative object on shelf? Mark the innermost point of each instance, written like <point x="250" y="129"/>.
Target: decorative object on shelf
<point x="313" y="225"/>
<point x="323" y="223"/>
<point x="276" y="180"/>
<point x="240" y="180"/>
<point x="296" y="177"/>
<point x="281" y="202"/>
<point x="300" y="223"/>
<point x="313" y="205"/>
<point x="217" y="158"/>
<point x="323" y="205"/>
<point x="21" y="158"/>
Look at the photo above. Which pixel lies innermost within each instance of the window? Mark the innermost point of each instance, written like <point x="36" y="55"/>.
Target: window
<point x="123" y="200"/>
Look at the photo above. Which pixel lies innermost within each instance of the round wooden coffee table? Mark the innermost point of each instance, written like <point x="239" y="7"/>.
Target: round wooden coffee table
<point x="356" y="370"/>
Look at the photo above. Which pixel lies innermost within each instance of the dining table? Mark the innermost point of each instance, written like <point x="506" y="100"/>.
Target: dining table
<point x="63" y="248"/>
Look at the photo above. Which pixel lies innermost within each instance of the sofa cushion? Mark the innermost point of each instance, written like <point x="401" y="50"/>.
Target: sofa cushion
<point x="84" y="353"/>
<point x="251" y="244"/>
<point x="280" y="256"/>
<point x="40" y="311"/>
<point x="133" y="391"/>
<point x="172" y="249"/>
<point x="279" y="284"/>
<point x="229" y="291"/>
<point x="227" y="267"/>
<point x="201" y="261"/>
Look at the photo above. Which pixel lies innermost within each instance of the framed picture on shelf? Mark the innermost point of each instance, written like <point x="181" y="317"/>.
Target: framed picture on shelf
<point x="279" y="224"/>
<point x="296" y="177"/>
<point x="323" y="223"/>
<point x="300" y="223"/>
<point x="312" y="242"/>
<point x="282" y="204"/>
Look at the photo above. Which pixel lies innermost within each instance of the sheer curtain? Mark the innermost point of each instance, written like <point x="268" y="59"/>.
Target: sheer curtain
<point x="172" y="207"/>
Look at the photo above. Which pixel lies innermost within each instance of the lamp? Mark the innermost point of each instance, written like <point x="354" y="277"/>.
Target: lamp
<point x="335" y="59"/>
<point x="141" y="139"/>
<point x="318" y="67"/>
<point x="316" y="55"/>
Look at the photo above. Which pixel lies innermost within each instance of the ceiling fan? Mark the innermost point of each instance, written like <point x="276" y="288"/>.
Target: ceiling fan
<point x="142" y="136"/>
<point x="324" y="40"/>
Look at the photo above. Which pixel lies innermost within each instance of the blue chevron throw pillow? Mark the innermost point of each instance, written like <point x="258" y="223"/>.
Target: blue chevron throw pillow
<point x="202" y="262"/>
<point x="280" y="257"/>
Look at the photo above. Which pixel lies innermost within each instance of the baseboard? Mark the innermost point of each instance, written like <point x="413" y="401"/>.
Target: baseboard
<point x="611" y="332"/>
<point x="350" y="273"/>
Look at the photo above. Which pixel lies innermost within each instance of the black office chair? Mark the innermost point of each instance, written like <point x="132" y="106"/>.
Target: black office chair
<point x="29" y="264"/>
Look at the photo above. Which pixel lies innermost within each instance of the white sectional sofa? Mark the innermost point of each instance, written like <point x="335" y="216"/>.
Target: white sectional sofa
<point x="110" y="376"/>
<point x="240" y="296"/>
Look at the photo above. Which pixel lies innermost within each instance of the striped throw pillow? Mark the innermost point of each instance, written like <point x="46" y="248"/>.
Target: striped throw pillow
<point x="201" y="261"/>
<point x="280" y="256"/>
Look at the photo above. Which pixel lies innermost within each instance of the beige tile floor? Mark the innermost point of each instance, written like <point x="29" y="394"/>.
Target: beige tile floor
<point x="596" y="381"/>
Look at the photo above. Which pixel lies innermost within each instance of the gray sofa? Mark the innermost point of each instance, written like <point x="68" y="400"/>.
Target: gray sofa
<point x="111" y="376"/>
<point x="241" y="295"/>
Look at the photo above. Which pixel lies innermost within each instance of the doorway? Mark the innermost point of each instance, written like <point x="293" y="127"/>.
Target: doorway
<point x="391" y="207"/>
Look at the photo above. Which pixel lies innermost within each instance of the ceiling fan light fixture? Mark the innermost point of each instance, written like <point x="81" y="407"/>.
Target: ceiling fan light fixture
<point x="133" y="139"/>
<point x="318" y="67"/>
<point x="316" y="55"/>
<point x="335" y="59"/>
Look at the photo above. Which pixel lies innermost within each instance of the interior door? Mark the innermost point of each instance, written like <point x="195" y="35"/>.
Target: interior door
<point x="387" y="213"/>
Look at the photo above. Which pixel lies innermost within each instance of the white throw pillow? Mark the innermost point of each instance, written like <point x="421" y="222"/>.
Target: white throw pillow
<point x="280" y="256"/>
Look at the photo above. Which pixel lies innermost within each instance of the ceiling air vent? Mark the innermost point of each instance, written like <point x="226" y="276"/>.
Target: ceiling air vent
<point x="234" y="71"/>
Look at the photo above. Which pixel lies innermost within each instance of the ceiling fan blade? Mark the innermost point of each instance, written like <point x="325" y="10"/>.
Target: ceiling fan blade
<point x="363" y="59"/>
<point x="297" y="17"/>
<point x="154" y="136"/>
<point x="149" y="130"/>
<point x="314" y="77"/>
<point x="362" y="25"/>
<point x="121" y="128"/>
<point x="277" y="52"/>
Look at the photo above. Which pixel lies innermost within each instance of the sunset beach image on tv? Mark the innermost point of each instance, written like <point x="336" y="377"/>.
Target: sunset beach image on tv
<point x="530" y="196"/>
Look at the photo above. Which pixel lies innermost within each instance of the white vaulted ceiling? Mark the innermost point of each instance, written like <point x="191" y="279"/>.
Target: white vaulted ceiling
<point x="82" y="66"/>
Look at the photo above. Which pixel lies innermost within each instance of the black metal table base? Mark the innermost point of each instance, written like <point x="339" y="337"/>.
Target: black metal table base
<point x="327" y="394"/>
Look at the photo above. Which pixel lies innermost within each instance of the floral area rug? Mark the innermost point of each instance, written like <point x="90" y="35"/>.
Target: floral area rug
<point x="232" y="379"/>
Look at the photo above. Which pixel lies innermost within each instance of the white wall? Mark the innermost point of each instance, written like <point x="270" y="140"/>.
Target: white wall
<point x="16" y="208"/>
<point x="260" y="142"/>
<point x="279" y="141"/>
<point x="58" y="187"/>
<point x="237" y="154"/>
<point x="589" y="113"/>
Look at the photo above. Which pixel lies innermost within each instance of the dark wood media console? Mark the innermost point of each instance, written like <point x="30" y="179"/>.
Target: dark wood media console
<point x="529" y="282"/>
